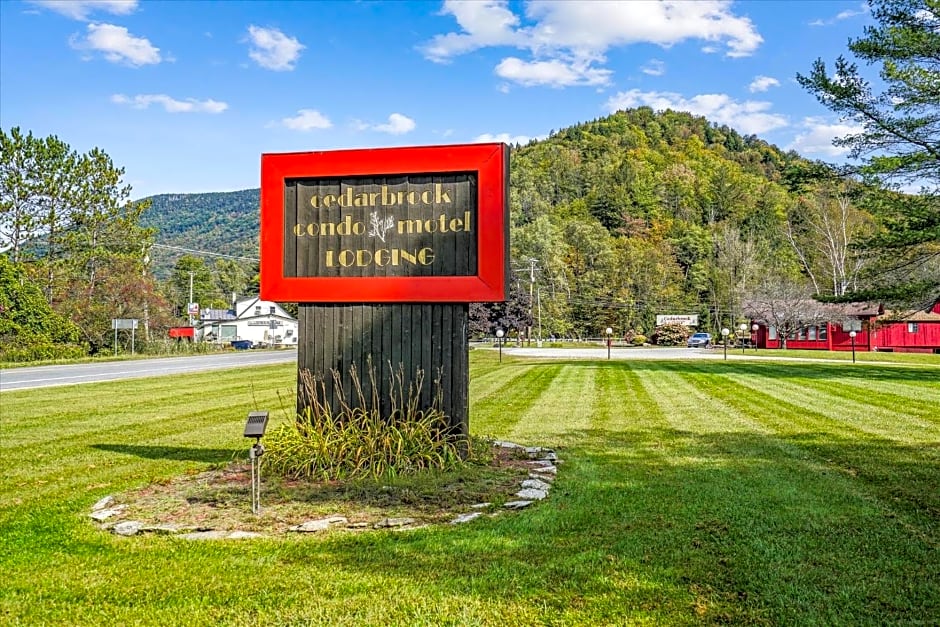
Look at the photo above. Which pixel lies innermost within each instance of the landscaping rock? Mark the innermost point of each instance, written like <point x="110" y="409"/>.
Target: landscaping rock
<point x="387" y="523"/>
<point x="532" y="494"/>
<point x="502" y="444"/>
<point x="104" y="514"/>
<point x="312" y="526"/>
<point x="546" y="470"/>
<point x="480" y="505"/>
<point x="163" y="529"/>
<point x="536" y="484"/>
<point x="213" y="534"/>
<point x="546" y="477"/>
<point x="103" y="503"/>
<point x="243" y="535"/>
<point x="127" y="528"/>
<point x="464" y="518"/>
<point x="517" y="504"/>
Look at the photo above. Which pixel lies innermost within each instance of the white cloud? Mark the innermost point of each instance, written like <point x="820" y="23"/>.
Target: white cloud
<point x="654" y="67"/>
<point x="81" y="9"/>
<point x="568" y="38"/>
<point x="842" y="15"/>
<point x="307" y="120"/>
<point x="817" y="137"/>
<point x="118" y="45"/>
<point x="485" y="23"/>
<point x="272" y="49"/>
<point x="554" y="73"/>
<point x="506" y="138"/>
<point x="170" y="105"/>
<point x="748" y="117"/>
<point x="397" y="124"/>
<point x="762" y="83"/>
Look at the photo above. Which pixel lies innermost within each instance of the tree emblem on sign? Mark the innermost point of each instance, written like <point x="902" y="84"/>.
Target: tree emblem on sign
<point x="379" y="227"/>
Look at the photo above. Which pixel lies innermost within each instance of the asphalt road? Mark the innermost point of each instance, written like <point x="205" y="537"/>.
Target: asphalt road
<point x="47" y="376"/>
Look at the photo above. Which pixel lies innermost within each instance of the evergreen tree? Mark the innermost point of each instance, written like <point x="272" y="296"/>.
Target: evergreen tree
<point x="899" y="140"/>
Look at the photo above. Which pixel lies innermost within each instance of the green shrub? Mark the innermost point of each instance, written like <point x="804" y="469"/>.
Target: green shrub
<point x="638" y="340"/>
<point x="354" y="442"/>
<point x="671" y="335"/>
<point x="42" y="352"/>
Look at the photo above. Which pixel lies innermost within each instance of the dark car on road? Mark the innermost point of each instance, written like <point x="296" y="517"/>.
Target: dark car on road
<point x="703" y="340"/>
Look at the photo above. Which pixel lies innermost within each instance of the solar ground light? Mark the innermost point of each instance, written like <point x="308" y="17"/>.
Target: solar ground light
<point x="254" y="428"/>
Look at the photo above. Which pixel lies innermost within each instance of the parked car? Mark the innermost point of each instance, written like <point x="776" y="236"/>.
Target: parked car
<point x="700" y="339"/>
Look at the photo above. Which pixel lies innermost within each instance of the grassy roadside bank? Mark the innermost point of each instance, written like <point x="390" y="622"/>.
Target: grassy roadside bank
<point x="691" y="493"/>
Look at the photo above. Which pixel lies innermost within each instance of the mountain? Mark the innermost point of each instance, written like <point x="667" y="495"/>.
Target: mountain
<point x="217" y="222"/>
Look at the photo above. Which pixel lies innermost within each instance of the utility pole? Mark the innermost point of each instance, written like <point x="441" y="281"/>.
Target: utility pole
<point x="532" y="262"/>
<point x="189" y="305"/>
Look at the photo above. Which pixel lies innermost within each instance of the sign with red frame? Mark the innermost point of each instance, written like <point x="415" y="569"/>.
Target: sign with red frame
<point x="416" y="224"/>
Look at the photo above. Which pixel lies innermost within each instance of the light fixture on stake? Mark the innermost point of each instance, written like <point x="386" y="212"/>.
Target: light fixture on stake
<point x="254" y="428"/>
<point x="743" y="329"/>
<point x="499" y="340"/>
<point x="610" y="333"/>
<point x="754" y="328"/>
<point x="724" y="335"/>
<point x="852" y="335"/>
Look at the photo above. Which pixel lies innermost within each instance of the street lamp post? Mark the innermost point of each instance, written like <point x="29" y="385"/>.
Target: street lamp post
<point x="743" y="329"/>
<point x="724" y="336"/>
<point x="754" y="329"/>
<point x="499" y="340"/>
<point x="609" y="334"/>
<point x="852" y="335"/>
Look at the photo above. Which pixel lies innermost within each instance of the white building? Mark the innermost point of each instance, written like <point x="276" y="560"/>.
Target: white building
<point x="262" y="322"/>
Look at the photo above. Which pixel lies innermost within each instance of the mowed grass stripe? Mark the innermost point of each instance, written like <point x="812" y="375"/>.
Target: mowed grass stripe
<point x="548" y="422"/>
<point x="81" y="410"/>
<point x="899" y="476"/>
<point x="839" y="415"/>
<point x="498" y="413"/>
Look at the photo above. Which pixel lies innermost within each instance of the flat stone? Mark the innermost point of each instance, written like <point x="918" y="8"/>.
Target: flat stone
<point x="480" y="505"/>
<point x="546" y="470"/>
<point x="464" y="518"/>
<point x="541" y="463"/>
<point x="161" y="529"/>
<point x="213" y="534"/>
<point x="103" y="503"/>
<point x="517" y="504"/>
<point x="104" y="514"/>
<point x="531" y="494"/>
<point x="311" y="526"/>
<point x="536" y="484"/>
<point x="546" y="477"/>
<point x="502" y="444"/>
<point x="127" y="528"/>
<point x="243" y="535"/>
<point x="387" y="523"/>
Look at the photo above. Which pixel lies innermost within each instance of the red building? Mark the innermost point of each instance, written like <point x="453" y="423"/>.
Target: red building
<point x="876" y="330"/>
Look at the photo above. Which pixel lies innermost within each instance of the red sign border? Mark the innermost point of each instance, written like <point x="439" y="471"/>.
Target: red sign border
<point x="489" y="161"/>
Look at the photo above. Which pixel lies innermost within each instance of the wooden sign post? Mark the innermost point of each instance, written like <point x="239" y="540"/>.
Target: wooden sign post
<point x="384" y="249"/>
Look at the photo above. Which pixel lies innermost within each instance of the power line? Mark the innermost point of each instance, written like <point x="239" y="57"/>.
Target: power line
<point x="202" y="252"/>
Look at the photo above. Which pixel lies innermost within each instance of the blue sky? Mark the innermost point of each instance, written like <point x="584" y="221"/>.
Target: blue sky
<point x="186" y="96"/>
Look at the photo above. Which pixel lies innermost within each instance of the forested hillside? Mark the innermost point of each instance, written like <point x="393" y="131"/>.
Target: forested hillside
<point x="220" y="222"/>
<point x="618" y="219"/>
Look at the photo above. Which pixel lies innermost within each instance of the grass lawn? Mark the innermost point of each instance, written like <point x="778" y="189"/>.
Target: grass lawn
<point x="691" y="492"/>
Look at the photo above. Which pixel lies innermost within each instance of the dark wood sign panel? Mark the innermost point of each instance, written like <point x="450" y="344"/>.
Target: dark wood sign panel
<point x="397" y="226"/>
<point x="383" y="249"/>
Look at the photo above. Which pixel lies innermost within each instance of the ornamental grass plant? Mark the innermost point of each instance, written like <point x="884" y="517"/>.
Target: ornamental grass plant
<point x="326" y="443"/>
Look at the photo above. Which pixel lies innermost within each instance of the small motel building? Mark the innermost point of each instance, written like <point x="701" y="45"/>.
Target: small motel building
<point x="875" y="330"/>
<point x="260" y="322"/>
